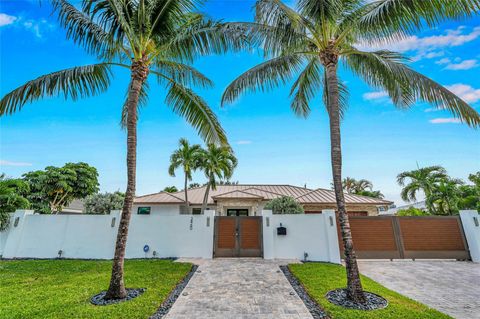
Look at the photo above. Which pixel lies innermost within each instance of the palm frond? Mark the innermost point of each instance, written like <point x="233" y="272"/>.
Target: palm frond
<point x="264" y="76"/>
<point x="82" y="30"/>
<point x="74" y="83"/>
<point x="384" y="69"/>
<point x="307" y="85"/>
<point x="195" y="110"/>
<point x="182" y="73"/>
<point x="389" y="19"/>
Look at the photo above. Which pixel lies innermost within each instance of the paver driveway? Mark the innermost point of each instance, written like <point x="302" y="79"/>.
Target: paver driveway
<point x="239" y="288"/>
<point x="452" y="287"/>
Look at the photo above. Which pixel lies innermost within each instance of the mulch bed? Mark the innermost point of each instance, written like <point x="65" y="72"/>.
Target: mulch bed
<point x="312" y="306"/>
<point x="174" y="294"/>
<point x="339" y="298"/>
<point x="98" y="299"/>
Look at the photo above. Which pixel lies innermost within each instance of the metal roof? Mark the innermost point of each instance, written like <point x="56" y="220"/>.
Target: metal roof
<point x="262" y="192"/>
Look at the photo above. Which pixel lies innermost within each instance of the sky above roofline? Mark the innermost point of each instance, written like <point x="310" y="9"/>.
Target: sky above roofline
<point x="272" y="145"/>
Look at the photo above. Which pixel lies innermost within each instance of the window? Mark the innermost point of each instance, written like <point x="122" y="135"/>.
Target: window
<point x="196" y="211"/>
<point x="143" y="210"/>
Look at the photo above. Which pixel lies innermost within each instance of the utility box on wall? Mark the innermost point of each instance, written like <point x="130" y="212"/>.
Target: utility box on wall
<point x="281" y="231"/>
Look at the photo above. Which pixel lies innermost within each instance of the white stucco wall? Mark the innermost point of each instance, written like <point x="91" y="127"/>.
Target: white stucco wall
<point x="313" y="234"/>
<point x="165" y="210"/>
<point x="471" y="228"/>
<point x="92" y="236"/>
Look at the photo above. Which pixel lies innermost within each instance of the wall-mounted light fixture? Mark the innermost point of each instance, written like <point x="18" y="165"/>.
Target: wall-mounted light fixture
<point x="475" y="221"/>
<point x="208" y="221"/>
<point x="331" y="220"/>
<point x="17" y="220"/>
<point x="113" y="221"/>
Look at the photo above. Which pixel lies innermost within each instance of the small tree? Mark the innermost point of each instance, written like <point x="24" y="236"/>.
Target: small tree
<point x="12" y="193"/>
<point x="56" y="187"/>
<point x="104" y="203"/>
<point x="170" y="189"/>
<point x="284" y="205"/>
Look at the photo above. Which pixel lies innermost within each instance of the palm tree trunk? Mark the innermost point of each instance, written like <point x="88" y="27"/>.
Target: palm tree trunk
<point x="205" y="198"/>
<point x="187" y="204"/>
<point x="354" y="285"/>
<point x="139" y="73"/>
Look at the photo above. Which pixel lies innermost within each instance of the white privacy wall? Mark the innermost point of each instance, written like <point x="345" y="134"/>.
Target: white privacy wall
<point x="471" y="227"/>
<point x="314" y="234"/>
<point x="92" y="236"/>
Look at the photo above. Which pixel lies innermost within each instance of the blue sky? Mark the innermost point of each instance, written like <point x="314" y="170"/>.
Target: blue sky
<point x="272" y="145"/>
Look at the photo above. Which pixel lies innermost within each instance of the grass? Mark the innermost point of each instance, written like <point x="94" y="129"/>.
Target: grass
<point x="319" y="278"/>
<point x="62" y="288"/>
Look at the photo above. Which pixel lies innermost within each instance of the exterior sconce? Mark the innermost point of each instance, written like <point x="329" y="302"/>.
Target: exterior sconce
<point x="113" y="221"/>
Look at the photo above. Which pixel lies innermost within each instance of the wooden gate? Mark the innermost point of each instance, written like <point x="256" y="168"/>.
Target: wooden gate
<point x="402" y="237"/>
<point x="238" y="236"/>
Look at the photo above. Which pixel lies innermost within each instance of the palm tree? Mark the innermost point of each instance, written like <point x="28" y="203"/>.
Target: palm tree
<point x="187" y="157"/>
<point x="445" y="196"/>
<point x="362" y="185"/>
<point x="421" y="179"/>
<point x="317" y="37"/>
<point x="146" y="37"/>
<point x="348" y="184"/>
<point x="217" y="162"/>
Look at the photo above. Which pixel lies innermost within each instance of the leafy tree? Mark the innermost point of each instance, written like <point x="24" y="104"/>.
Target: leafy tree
<point x="469" y="197"/>
<point x="12" y="192"/>
<point x="317" y="37"/>
<point x="187" y="157"/>
<point x="56" y="187"/>
<point x="411" y="211"/>
<point x="104" y="203"/>
<point x="348" y="184"/>
<point x="155" y="37"/>
<point x="284" y="205"/>
<point x="422" y="179"/>
<point x="216" y="162"/>
<point x="170" y="189"/>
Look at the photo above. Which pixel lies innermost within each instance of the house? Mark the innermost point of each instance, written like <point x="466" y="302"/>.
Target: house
<point x="394" y="210"/>
<point x="249" y="200"/>
<point x="77" y="206"/>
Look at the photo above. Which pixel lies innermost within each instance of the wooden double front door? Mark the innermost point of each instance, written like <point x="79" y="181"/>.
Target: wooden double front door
<point x="238" y="236"/>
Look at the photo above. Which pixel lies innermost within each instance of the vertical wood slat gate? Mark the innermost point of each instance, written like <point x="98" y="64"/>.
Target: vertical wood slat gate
<point x="238" y="236"/>
<point x="407" y="237"/>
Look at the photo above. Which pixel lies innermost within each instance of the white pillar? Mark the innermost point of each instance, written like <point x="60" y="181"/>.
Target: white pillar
<point x="331" y="235"/>
<point x="471" y="228"/>
<point x="268" y="233"/>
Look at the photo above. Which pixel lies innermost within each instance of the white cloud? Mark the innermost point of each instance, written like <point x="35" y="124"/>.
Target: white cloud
<point x="445" y="120"/>
<point x="465" y="92"/>
<point x="443" y="61"/>
<point x="430" y="46"/>
<point x="10" y="163"/>
<point x="6" y="19"/>
<point x="431" y="109"/>
<point x="463" y="65"/>
<point x="375" y="95"/>
<point x="244" y="142"/>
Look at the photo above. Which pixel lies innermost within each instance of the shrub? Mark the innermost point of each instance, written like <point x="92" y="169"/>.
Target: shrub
<point x="411" y="211"/>
<point x="284" y="205"/>
<point x="104" y="203"/>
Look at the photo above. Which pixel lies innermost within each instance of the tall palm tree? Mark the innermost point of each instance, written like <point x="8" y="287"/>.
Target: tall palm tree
<point x="362" y="185"/>
<point x="348" y="184"/>
<point x="187" y="157"/>
<point x="317" y="37"/>
<point x="147" y="37"/>
<point x="217" y="163"/>
<point x="422" y="179"/>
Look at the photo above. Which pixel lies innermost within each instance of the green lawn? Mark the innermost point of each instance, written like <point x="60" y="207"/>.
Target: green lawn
<point x="62" y="288"/>
<point x="319" y="278"/>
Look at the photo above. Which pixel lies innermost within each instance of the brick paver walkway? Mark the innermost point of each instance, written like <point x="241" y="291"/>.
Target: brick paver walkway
<point x="452" y="287"/>
<point x="239" y="288"/>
